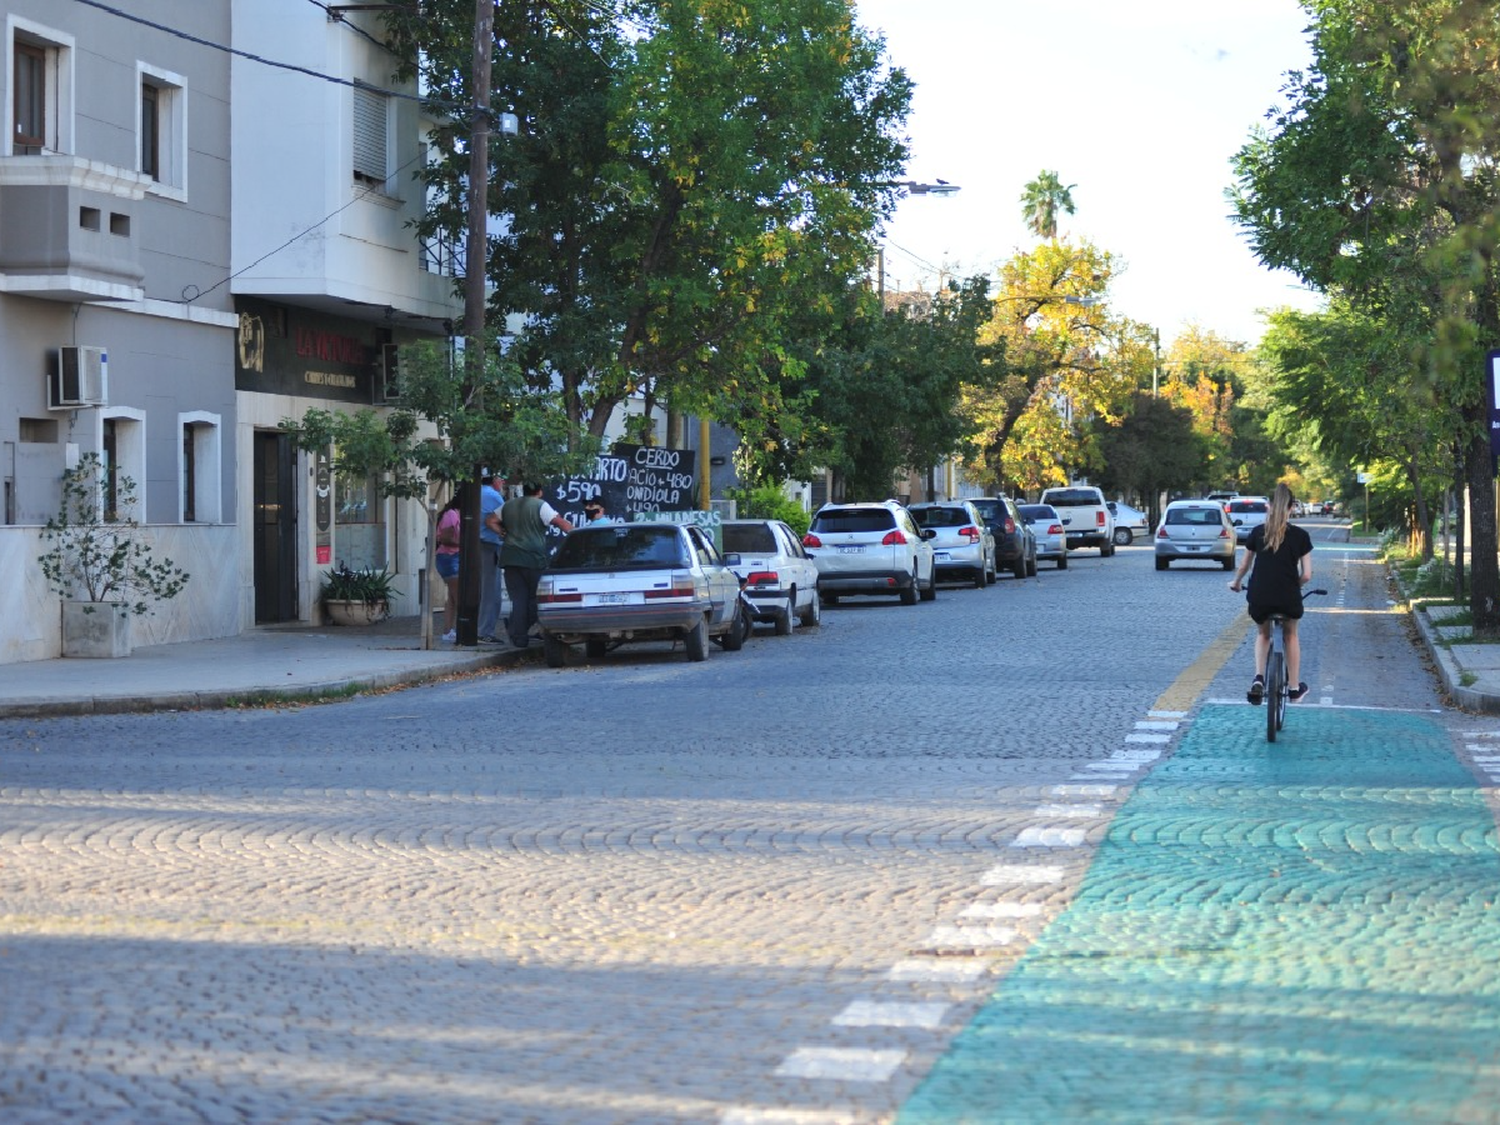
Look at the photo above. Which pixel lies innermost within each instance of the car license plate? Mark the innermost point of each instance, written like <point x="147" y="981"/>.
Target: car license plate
<point x="612" y="599"/>
<point x="940" y="556"/>
<point x="851" y="550"/>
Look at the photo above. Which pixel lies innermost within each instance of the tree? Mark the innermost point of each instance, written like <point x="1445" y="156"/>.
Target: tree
<point x="1068" y="365"/>
<point x="1153" y="449"/>
<point x="691" y="177"/>
<point x="1043" y="198"/>
<point x="1378" y="180"/>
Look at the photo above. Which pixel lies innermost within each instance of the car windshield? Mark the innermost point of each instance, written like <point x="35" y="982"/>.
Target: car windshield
<point x="619" y="547"/>
<point x="1195" y="516"/>
<point x="1073" y="498"/>
<point x="748" y="538"/>
<point x="940" y="517"/>
<point x="854" y="519"/>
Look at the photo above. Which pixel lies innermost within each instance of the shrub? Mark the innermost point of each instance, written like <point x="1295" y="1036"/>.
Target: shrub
<point x="770" y="502"/>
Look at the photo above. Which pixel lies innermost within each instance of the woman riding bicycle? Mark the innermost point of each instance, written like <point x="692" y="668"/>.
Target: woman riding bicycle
<point x="1282" y="554"/>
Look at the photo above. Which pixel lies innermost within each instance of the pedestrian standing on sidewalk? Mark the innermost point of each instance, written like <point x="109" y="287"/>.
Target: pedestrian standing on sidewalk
<point x="523" y="555"/>
<point x="449" y="525"/>
<point x="490" y="499"/>
<point x="1282" y="555"/>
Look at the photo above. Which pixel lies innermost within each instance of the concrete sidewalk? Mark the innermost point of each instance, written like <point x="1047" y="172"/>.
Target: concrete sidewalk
<point x="265" y="664"/>
<point x="1470" y="672"/>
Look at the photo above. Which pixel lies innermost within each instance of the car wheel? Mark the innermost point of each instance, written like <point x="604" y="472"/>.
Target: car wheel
<point x="696" y="641"/>
<point x="734" y="639"/>
<point x="1161" y="564"/>
<point x="1229" y="563"/>
<point x="782" y="622"/>
<point x="979" y="580"/>
<point x="596" y="647"/>
<point x="1031" y="567"/>
<point x="930" y="590"/>
<point x="1123" y="537"/>
<point x="555" y="651"/>
<point x="909" y="593"/>
<point x="1062" y="561"/>
<point x="991" y="576"/>
<point x="1107" y="551"/>
<point x="1019" y="569"/>
<point x="812" y="616"/>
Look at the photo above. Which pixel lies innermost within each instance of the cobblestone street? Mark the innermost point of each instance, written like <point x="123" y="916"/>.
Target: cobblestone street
<point x="774" y="887"/>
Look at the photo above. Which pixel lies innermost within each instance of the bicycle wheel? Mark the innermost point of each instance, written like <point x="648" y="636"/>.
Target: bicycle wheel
<point x="1275" y="694"/>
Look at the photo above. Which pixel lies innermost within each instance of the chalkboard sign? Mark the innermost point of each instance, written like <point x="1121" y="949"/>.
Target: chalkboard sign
<point x="630" y="479"/>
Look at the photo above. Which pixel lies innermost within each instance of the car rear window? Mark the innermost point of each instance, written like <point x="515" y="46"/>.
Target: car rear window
<point x="748" y="538"/>
<point x="1248" y="506"/>
<point x="991" y="510"/>
<point x="1038" y="512"/>
<point x="940" y="517"/>
<point x="854" y="519"/>
<point x="1074" y="498"/>
<point x="1195" y="516"/>
<point x="620" y="547"/>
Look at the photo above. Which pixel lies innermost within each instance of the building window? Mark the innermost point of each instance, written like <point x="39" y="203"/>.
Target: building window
<point x="200" y="492"/>
<point x="150" y="131"/>
<point x="189" y="483"/>
<point x="370" y="147"/>
<point x="30" y="134"/>
<point x="162" y="136"/>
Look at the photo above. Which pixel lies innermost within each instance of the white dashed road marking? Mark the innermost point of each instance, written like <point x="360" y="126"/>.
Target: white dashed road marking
<point x="844" y="1064"/>
<point x="881" y="1013"/>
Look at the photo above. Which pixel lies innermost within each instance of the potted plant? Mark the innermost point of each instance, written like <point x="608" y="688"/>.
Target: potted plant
<point x="100" y="563"/>
<point x="357" y="597"/>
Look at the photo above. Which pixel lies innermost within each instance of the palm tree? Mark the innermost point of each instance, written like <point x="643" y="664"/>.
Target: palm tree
<point x="1043" y="198"/>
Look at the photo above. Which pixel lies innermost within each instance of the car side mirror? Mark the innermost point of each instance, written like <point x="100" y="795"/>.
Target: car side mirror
<point x="929" y="533"/>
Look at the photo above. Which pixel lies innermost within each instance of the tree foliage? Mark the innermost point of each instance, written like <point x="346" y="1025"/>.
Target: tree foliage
<point x="1041" y="202"/>
<point x="1378" y="180"/>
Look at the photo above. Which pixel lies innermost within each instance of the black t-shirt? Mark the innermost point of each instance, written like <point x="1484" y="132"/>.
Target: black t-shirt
<point x="1275" y="581"/>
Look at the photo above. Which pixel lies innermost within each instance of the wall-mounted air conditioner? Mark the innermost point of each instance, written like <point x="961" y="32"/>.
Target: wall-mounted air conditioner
<point x="388" y="376"/>
<point x="79" y="378"/>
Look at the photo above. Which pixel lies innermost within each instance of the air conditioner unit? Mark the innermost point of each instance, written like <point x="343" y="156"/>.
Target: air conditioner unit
<point x="388" y="376"/>
<point x="80" y="378"/>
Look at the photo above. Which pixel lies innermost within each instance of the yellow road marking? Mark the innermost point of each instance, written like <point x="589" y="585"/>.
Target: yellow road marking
<point x="1196" y="677"/>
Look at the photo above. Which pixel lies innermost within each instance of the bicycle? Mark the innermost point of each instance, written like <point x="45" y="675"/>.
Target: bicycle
<point x="1278" y="691"/>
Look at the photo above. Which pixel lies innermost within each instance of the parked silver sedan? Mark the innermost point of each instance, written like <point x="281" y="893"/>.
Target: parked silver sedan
<point x="963" y="547"/>
<point x="1195" y="530"/>
<point x="1047" y="527"/>
<point x="780" y="579"/>
<point x="609" y="584"/>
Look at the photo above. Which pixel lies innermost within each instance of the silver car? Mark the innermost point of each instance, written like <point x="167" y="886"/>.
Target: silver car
<point x="964" y="546"/>
<point x="871" y="549"/>
<point x="1195" y="530"/>
<point x="780" y="579"/>
<point x="613" y="583"/>
<point x="1051" y="537"/>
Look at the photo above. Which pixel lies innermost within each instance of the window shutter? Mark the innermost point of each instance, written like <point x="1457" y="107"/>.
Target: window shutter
<point x="369" y="134"/>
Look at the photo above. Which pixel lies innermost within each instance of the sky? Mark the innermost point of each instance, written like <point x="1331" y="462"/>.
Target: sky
<point x="1140" y="104"/>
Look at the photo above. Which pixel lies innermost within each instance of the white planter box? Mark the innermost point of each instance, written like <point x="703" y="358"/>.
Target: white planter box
<point x="95" y="630"/>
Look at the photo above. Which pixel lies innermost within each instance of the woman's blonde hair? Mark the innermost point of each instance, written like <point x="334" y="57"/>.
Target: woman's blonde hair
<point x="1281" y="510"/>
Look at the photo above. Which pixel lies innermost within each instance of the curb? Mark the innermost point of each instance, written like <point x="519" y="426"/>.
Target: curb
<point x="1450" y="671"/>
<point x="222" y="698"/>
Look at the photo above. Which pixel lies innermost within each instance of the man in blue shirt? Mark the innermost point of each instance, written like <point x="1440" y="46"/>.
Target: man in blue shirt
<point x="490" y="499"/>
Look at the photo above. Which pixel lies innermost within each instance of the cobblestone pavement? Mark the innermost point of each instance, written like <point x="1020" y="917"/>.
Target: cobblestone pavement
<point x="769" y="888"/>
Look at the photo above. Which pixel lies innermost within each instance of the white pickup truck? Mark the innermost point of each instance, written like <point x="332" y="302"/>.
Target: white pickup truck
<point x="1086" y="518"/>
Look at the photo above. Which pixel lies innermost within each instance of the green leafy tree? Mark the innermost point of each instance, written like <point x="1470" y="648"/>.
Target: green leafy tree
<point x="1153" y="449"/>
<point x="1041" y="202"/>
<point x="1378" y="180"/>
<point x="692" y="177"/>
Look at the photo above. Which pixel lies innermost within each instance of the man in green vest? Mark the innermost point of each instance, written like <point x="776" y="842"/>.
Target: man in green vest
<point x="523" y="554"/>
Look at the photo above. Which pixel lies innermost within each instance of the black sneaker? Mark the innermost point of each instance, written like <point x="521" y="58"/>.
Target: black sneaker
<point x="1297" y="692"/>
<point x="1257" y="690"/>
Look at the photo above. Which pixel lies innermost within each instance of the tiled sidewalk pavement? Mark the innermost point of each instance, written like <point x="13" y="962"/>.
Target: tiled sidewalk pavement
<point x="1299" y="932"/>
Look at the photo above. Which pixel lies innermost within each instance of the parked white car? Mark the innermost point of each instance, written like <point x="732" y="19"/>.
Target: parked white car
<point x="1046" y="526"/>
<point x="780" y="578"/>
<point x="1085" y="516"/>
<point x="1129" y="522"/>
<point x="871" y="549"/>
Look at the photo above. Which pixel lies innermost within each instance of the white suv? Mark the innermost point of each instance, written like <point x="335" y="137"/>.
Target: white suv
<point x="1086" y="518"/>
<point x="871" y="549"/>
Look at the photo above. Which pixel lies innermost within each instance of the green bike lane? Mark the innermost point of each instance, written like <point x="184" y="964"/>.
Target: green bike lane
<point x="1304" y="931"/>
<point x="1299" y="931"/>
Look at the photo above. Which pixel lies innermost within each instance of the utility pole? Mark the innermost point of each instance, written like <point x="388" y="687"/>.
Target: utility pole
<point x="476" y="259"/>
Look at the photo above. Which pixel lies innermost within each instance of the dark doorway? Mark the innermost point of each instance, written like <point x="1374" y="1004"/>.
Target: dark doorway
<point x="275" y="529"/>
